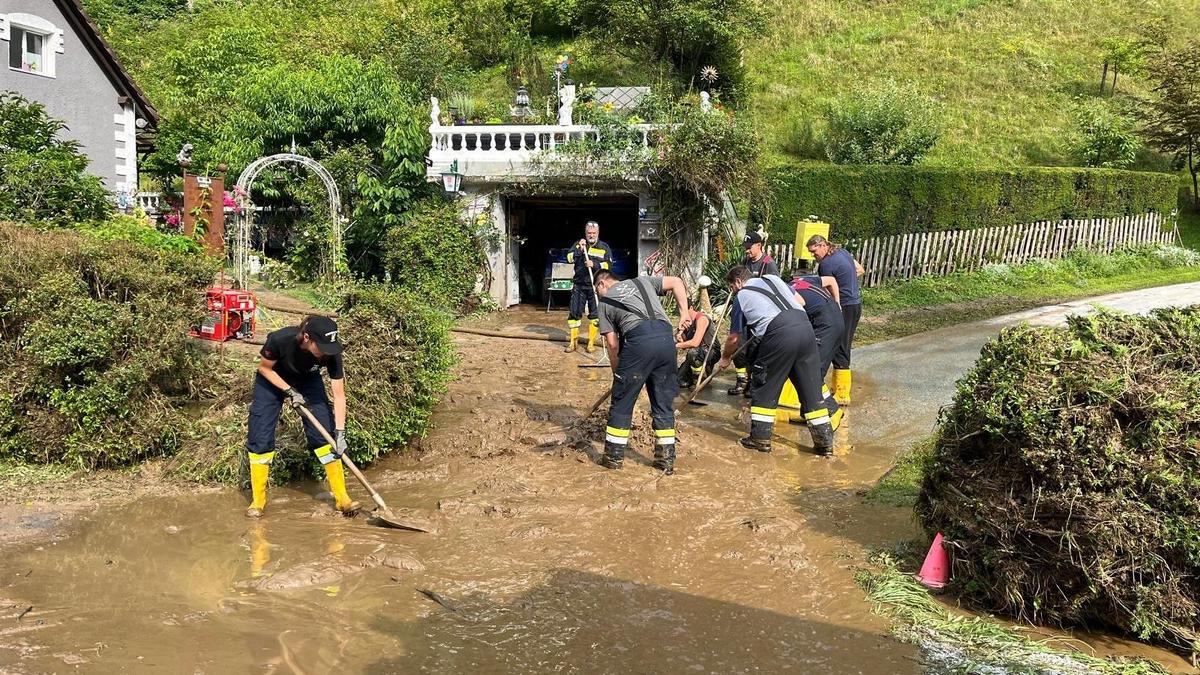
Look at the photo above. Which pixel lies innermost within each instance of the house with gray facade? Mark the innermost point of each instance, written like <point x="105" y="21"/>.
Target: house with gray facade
<point x="55" y="55"/>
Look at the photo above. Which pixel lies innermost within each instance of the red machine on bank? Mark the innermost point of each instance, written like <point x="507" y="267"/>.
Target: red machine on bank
<point x="230" y="315"/>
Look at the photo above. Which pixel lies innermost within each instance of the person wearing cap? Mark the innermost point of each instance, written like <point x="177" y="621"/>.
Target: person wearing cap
<point x="589" y="255"/>
<point x="289" y="371"/>
<point x="835" y="261"/>
<point x="759" y="264"/>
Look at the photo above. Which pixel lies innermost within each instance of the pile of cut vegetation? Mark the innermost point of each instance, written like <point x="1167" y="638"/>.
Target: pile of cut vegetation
<point x="1066" y="476"/>
<point x="93" y="337"/>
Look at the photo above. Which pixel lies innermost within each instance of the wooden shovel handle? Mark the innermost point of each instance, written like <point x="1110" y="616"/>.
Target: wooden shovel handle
<point x="312" y="419"/>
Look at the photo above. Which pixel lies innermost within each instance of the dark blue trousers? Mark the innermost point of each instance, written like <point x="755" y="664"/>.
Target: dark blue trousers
<point x="268" y="402"/>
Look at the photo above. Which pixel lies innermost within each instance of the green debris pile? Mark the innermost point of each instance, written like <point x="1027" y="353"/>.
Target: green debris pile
<point x="1066" y="476"/>
<point x="93" y="337"/>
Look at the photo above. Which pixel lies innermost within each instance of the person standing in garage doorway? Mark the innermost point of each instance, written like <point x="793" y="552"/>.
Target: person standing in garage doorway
<point x="589" y="255"/>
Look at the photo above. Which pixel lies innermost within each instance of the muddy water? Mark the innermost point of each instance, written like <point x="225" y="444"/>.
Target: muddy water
<point x="542" y="562"/>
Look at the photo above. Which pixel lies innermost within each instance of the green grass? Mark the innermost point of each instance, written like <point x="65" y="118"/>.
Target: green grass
<point x="1005" y="71"/>
<point x="900" y="486"/>
<point x="913" y="306"/>
<point x="21" y="475"/>
<point x="953" y="642"/>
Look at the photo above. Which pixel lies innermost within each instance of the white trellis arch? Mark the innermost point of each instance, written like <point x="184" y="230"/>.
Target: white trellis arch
<point x="245" y="221"/>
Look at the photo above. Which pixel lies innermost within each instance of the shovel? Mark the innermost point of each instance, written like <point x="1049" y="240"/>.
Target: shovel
<point x="700" y="387"/>
<point x="387" y="518"/>
<point x="603" y="361"/>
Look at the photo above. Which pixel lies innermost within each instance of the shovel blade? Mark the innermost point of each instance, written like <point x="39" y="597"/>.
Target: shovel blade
<point x="383" y="518"/>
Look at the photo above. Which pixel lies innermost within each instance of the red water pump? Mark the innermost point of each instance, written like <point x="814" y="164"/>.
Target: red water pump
<point x="230" y="315"/>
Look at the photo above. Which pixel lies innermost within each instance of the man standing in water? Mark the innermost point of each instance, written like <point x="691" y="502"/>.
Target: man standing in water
<point x="770" y="311"/>
<point x="589" y="255"/>
<point x="641" y="349"/>
<point x="835" y="261"/>
<point x="290" y="371"/>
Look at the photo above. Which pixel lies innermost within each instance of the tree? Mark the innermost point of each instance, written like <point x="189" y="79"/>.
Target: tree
<point x="884" y="124"/>
<point x="1172" y="116"/>
<point x="44" y="178"/>
<point x="1122" y="55"/>
<point x="1104" y="138"/>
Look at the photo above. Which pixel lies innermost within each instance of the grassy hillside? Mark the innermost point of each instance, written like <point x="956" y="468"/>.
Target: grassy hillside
<point x="1006" y="71"/>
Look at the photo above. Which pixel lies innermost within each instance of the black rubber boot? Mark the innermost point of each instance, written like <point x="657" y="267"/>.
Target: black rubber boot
<point x="613" y="457"/>
<point x="759" y="444"/>
<point x="664" y="458"/>
<point x="822" y="435"/>
<point x="738" y="387"/>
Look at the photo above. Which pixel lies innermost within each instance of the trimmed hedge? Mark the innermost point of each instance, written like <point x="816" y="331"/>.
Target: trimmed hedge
<point x="868" y="201"/>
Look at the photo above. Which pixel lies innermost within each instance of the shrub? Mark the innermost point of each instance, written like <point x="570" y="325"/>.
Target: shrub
<point x="436" y="256"/>
<point x="398" y="360"/>
<point x="94" y="340"/>
<point x="1104" y="138"/>
<point x="1065" y="475"/>
<point x="885" y="124"/>
<point x="140" y="231"/>
<point x="43" y="178"/>
<point x="868" y="201"/>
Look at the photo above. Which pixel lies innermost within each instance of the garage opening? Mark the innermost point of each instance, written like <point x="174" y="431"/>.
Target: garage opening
<point x="546" y="227"/>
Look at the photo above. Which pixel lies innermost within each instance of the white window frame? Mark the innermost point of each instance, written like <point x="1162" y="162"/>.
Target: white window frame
<point x="52" y="40"/>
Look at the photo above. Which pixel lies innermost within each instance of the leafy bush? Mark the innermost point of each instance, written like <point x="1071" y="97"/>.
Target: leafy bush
<point x="866" y="201"/>
<point x="44" y="178"/>
<point x="1065" y="476"/>
<point x="140" y="231"/>
<point x="398" y="360"/>
<point x="1104" y="138"/>
<point x="94" y="340"/>
<point x="885" y="124"/>
<point x="436" y="256"/>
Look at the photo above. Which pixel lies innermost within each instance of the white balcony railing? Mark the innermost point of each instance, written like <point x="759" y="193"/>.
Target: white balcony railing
<point x="150" y="202"/>
<point x="482" y="149"/>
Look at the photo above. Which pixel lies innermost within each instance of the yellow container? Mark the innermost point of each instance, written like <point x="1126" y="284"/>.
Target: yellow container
<point x="806" y="229"/>
<point x="789" y="404"/>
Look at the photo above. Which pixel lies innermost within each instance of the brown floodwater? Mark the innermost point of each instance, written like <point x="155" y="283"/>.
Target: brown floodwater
<point x="542" y="562"/>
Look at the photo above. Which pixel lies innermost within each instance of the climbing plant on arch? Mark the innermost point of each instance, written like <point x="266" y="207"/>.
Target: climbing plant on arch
<point x="245" y="221"/>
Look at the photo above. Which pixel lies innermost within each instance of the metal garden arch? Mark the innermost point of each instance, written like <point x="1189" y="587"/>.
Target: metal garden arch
<point x="245" y="223"/>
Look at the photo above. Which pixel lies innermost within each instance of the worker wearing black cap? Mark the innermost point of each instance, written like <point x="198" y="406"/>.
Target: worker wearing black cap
<point x="759" y="264"/>
<point x="290" y="371"/>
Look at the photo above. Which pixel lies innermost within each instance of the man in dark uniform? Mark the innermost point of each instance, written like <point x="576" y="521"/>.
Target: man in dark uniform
<point x="697" y="341"/>
<point x="820" y="304"/>
<point x="759" y="263"/>
<point x="290" y="370"/>
<point x="589" y="255"/>
<point x="767" y="309"/>
<point x="641" y="349"/>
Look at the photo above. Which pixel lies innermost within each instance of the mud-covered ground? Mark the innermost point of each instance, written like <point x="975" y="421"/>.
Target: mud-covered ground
<point x="541" y="562"/>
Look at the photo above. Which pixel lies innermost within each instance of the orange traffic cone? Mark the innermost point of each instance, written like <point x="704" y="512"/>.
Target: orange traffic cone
<point x="936" y="569"/>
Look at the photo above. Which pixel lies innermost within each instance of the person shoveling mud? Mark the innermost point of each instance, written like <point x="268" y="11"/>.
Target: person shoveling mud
<point x="290" y="370"/>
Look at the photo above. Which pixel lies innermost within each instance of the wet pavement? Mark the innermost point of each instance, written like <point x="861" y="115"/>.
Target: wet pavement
<point x="542" y="562"/>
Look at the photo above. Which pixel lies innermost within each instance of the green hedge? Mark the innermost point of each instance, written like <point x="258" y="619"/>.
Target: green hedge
<point x="865" y="201"/>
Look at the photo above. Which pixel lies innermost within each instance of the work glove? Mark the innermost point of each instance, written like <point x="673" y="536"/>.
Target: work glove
<point x="295" y="398"/>
<point x="339" y="442"/>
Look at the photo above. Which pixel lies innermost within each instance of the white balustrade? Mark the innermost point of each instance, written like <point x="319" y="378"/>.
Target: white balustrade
<point x="150" y="202"/>
<point x="511" y="146"/>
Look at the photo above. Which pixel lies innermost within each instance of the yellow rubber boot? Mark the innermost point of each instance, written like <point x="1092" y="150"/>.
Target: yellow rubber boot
<point x="593" y="331"/>
<point x="573" y="341"/>
<point x="336" y="476"/>
<point x="260" y="470"/>
<point x="841" y="386"/>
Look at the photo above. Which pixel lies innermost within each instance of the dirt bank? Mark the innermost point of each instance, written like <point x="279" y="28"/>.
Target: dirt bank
<point x="543" y="562"/>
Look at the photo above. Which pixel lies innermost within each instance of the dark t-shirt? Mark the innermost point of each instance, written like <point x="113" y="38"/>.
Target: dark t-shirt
<point x="292" y="362"/>
<point x="840" y="266"/>
<point x="762" y="267"/>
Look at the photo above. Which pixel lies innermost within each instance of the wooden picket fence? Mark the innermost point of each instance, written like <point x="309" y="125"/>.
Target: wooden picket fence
<point x="904" y="256"/>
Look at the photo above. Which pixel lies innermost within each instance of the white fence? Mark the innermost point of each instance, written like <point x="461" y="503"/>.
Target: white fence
<point x="904" y="256"/>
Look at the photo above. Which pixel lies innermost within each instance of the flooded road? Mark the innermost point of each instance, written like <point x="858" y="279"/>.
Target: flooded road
<point x="542" y="562"/>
